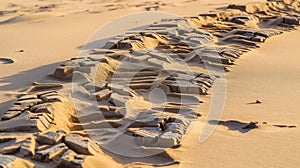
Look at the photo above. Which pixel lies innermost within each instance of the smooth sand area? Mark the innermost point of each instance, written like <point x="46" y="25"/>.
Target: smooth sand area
<point x="269" y="74"/>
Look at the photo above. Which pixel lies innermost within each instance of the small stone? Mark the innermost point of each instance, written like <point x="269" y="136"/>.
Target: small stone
<point x="42" y="147"/>
<point x="64" y="72"/>
<point x="291" y="20"/>
<point x="81" y="145"/>
<point x="111" y="44"/>
<point x="186" y="87"/>
<point x="21" y="50"/>
<point x="258" y="102"/>
<point x="68" y="160"/>
<point x="42" y="108"/>
<point x="50" y="153"/>
<point x="50" y="138"/>
<point x="258" y="39"/>
<point x="28" y="146"/>
<point x="168" y="140"/>
<point x="73" y="160"/>
<point x="152" y="8"/>
<point x="53" y="98"/>
<point x="251" y="125"/>
<point x="6" y="60"/>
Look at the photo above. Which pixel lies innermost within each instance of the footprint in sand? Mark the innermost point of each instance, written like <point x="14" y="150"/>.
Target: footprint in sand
<point x="6" y="61"/>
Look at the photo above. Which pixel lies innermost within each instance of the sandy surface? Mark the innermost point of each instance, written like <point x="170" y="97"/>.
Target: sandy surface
<point x="56" y="34"/>
<point x="272" y="82"/>
<point x="269" y="74"/>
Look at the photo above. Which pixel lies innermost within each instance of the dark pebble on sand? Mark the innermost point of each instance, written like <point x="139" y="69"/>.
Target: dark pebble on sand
<point x="6" y="61"/>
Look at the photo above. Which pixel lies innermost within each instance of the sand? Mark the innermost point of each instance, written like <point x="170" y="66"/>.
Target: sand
<point x="49" y="47"/>
<point x="255" y="77"/>
<point x="268" y="74"/>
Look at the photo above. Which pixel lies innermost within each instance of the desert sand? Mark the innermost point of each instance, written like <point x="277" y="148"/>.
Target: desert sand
<point x="53" y="109"/>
